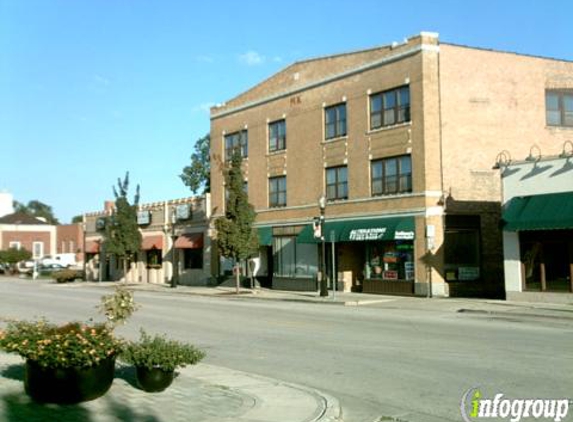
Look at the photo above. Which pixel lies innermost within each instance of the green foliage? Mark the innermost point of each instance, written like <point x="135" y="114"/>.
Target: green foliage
<point x="13" y="255"/>
<point x="157" y="351"/>
<point x="122" y="236"/>
<point x="67" y="276"/>
<point x="197" y="175"/>
<point x="236" y="237"/>
<point x="119" y="306"/>
<point x="37" y="209"/>
<point x="77" y="219"/>
<point x="73" y="344"/>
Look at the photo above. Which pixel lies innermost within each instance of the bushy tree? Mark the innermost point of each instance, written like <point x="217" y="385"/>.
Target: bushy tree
<point x="197" y="175"/>
<point x="36" y="208"/>
<point x="236" y="238"/>
<point x="122" y="237"/>
<point x="14" y="255"/>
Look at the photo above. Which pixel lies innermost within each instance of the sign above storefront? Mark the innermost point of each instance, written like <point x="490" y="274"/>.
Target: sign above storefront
<point x="367" y="234"/>
<point x="143" y="218"/>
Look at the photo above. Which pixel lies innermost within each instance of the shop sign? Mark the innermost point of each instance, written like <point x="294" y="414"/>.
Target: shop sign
<point x="390" y="275"/>
<point x="143" y="217"/>
<point x="404" y="235"/>
<point x="409" y="270"/>
<point x="468" y="273"/>
<point x="183" y="212"/>
<point x="367" y="234"/>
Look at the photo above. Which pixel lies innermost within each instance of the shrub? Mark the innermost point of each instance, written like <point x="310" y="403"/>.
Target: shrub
<point x="67" y="276"/>
<point x="157" y="351"/>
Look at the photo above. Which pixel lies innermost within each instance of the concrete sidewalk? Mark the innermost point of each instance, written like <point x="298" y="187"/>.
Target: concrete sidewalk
<point x="454" y="305"/>
<point x="201" y="393"/>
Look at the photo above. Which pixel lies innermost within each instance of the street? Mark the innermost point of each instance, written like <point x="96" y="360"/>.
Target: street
<point x="380" y="361"/>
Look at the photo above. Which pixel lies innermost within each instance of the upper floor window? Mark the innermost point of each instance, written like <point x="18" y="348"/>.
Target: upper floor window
<point x="277" y="135"/>
<point x="335" y="121"/>
<point x="559" y="108"/>
<point x="392" y="175"/>
<point x="390" y="107"/>
<point x="237" y="140"/>
<point x="277" y="191"/>
<point x="336" y="183"/>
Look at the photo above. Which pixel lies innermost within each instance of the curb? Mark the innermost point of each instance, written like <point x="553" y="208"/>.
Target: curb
<point x="517" y="314"/>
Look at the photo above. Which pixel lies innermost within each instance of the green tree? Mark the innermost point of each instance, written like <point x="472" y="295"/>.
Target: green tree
<point x="36" y="208"/>
<point x="13" y="255"/>
<point x="236" y="238"/>
<point x="77" y="219"/>
<point x="197" y="175"/>
<point x="122" y="237"/>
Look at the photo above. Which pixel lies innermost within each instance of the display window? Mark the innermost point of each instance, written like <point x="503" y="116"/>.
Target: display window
<point x="393" y="260"/>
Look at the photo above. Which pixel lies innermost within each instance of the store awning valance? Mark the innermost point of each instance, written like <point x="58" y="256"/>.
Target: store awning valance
<point x="152" y="242"/>
<point x="265" y="236"/>
<point x="393" y="228"/>
<point x="189" y="241"/>
<point x="539" y="212"/>
<point x="92" y="246"/>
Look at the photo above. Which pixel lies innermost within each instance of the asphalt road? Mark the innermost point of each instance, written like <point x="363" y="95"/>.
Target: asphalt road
<point x="378" y="361"/>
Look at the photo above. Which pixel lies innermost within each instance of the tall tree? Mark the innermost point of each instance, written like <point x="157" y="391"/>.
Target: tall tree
<point x="197" y="175"/>
<point x="122" y="237"/>
<point x="37" y="209"/>
<point x="236" y="238"/>
<point x="77" y="219"/>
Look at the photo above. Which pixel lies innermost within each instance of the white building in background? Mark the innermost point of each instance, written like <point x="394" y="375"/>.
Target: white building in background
<point x="538" y="227"/>
<point x="6" y="203"/>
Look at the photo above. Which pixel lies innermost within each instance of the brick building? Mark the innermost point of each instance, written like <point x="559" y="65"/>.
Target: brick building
<point x="19" y="230"/>
<point x="177" y="226"/>
<point x="70" y="239"/>
<point x="401" y="140"/>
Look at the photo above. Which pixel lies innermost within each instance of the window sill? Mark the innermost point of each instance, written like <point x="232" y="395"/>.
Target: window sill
<point x="385" y="128"/>
<point x="337" y="201"/>
<point x="334" y="140"/>
<point x="553" y="127"/>
<point x="278" y="152"/>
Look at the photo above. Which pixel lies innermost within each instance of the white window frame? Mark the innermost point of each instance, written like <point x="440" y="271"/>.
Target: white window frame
<point x="34" y="254"/>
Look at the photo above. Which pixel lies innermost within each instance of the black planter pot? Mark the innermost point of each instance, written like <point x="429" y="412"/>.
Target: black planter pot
<point x="153" y="380"/>
<point x="68" y="385"/>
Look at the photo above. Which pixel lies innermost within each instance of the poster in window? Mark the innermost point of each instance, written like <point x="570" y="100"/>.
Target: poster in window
<point x="468" y="273"/>
<point x="390" y="275"/>
<point x="183" y="212"/>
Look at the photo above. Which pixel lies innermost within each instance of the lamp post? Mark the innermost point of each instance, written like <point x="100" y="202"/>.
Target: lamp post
<point x="323" y="285"/>
<point x="175" y="275"/>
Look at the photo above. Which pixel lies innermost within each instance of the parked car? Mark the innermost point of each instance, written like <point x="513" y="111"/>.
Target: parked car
<point x="26" y="267"/>
<point x="3" y="268"/>
<point x="49" y="269"/>
<point x="64" y="259"/>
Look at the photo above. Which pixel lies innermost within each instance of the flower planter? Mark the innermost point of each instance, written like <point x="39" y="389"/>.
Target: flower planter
<point x="68" y="385"/>
<point x="153" y="380"/>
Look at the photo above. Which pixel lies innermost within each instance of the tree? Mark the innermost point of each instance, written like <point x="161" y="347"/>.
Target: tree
<point x="197" y="175"/>
<point x="236" y="238"/>
<point x="121" y="236"/>
<point x="77" y="219"/>
<point x="13" y="255"/>
<point x="36" y="208"/>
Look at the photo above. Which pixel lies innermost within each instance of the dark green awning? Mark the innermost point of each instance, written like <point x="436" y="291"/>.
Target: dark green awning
<point x="539" y="212"/>
<point x="394" y="228"/>
<point x="265" y="236"/>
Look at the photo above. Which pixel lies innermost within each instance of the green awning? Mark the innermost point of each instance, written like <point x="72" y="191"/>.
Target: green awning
<point x="539" y="212"/>
<point x="394" y="228"/>
<point x="265" y="236"/>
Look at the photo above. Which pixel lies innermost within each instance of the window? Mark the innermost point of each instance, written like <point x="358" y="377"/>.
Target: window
<point x="559" y="108"/>
<point x="193" y="259"/>
<point x="37" y="250"/>
<point x="72" y="246"/>
<point x="277" y="191"/>
<point x="14" y="245"/>
<point x="335" y="121"/>
<point x="336" y="183"/>
<point x="391" y="175"/>
<point x="154" y="258"/>
<point x="291" y="259"/>
<point x="237" y="140"/>
<point x="390" y="107"/>
<point x="277" y="136"/>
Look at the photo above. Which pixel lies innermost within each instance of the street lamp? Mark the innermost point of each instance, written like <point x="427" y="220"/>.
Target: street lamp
<point x="175" y="275"/>
<point x="323" y="285"/>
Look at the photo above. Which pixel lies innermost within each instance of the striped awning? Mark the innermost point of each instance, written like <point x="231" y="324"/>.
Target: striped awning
<point x="189" y="241"/>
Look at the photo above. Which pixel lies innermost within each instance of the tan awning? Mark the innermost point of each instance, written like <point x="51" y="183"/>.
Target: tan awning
<point x="152" y="242"/>
<point x="190" y="241"/>
<point x="92" y="246"/>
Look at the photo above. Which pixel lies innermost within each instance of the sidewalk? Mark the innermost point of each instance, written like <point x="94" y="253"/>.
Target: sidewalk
<point x="454" y="305"/>
<point x="201" y="393"/>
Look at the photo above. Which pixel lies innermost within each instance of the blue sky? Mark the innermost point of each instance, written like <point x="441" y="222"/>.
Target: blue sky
<point x="90" y="89"/>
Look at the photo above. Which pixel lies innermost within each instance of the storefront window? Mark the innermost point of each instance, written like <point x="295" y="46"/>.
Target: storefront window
<point x="293" y="259"/>
<point x="154" y="258"/>
<point x="462" y="248"/>
<point x="193" y="259"/>
<point x="390" y="260"/>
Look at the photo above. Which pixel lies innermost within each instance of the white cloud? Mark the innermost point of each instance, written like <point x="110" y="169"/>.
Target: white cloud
<point x="251" y="58"/>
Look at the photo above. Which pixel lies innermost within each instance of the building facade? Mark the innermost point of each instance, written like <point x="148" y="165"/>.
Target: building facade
<point x="70" y="239"/>
<point x="400" y="140"/>
<point x="22" y="231"/>
<point x="538" y="226"/>
<point x="179" y="227"/>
